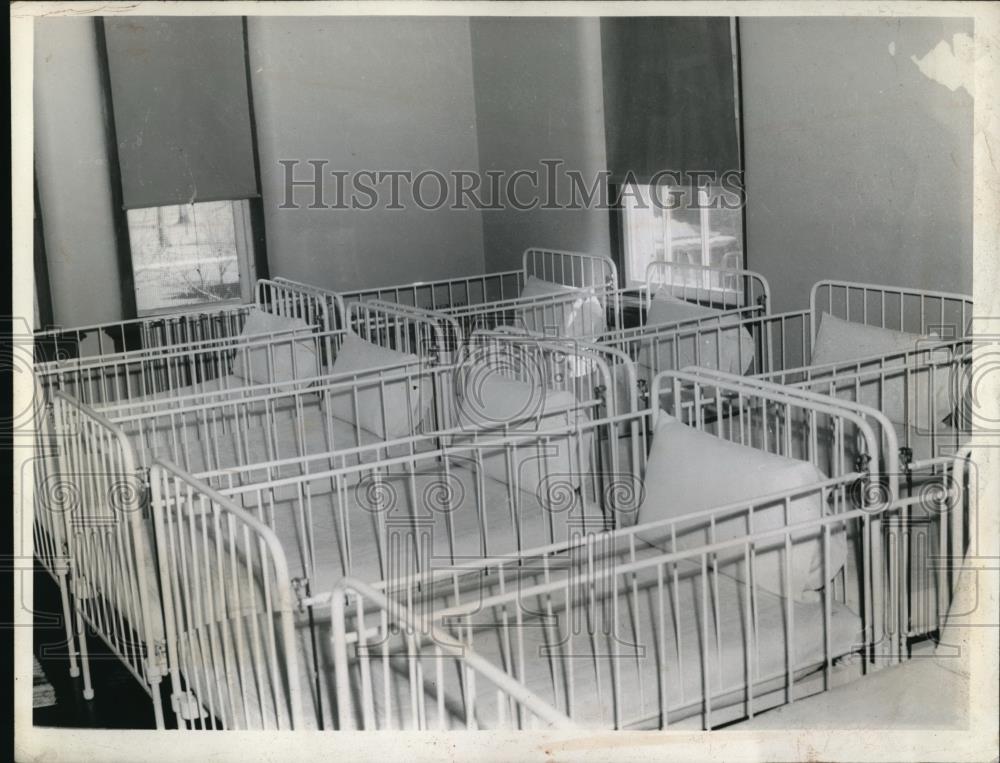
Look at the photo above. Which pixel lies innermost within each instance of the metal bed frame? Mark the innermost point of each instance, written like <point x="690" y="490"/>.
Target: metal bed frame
<point x="360" y="620"/>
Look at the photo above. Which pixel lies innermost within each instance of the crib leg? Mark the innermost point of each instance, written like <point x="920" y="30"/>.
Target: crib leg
<point x="81" y="634"/>
<point x="74" y="667"/>
<point x="158" y="704"/>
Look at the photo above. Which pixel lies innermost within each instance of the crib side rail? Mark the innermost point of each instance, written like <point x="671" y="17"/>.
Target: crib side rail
<point x="228" y="610"/>
<point x="710" y="285"/>
<point x="830" y="433"/>
<point x="916" y="311"/>
<point x="571" y="268"/>
<point x="741" y="340"/>
<point x="444" y="293"/>
<point x="404" y="329"/>
<point x="436" y="333"/>
<point x="574" y="314"/>
<point x="584" y="368"/>
<point x="60" y="345"/>
<point x="105" y="515"/>
<point x="289" y="420"/>
<point x="183" y="328"/>
<point x="918" y="391"/>
<point x="236" y="362"/>
<point x="428" y="652"/>
<point x="930" y="351"/>
<point x="334" y="302"/>
<point x="51" y="496"/>
<point x="290" y="300"/>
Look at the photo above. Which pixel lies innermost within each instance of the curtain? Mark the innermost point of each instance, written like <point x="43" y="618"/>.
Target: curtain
<point x="181" y="109"/>
<point x="669" y="98"/>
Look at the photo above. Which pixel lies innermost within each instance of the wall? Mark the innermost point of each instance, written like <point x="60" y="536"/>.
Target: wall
<point x="365" y="93"/>
<point x="73" y="175"/>
<point x="538" y="95"/>
<point x="858" y="166"/>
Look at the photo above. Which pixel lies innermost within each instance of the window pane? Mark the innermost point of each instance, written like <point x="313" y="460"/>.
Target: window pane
<point x="655" y="232"/>
<point x="184" y="254"/>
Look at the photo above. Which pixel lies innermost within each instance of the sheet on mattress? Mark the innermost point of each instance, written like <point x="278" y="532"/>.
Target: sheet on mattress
<point x="652" y="658"/>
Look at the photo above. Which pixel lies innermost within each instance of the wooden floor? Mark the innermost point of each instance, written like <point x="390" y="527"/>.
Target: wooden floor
<point x="119" y="701"/>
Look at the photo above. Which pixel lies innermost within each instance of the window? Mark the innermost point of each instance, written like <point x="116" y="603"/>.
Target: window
<point x="185" y="255"/>
<point x="682" y="225"/>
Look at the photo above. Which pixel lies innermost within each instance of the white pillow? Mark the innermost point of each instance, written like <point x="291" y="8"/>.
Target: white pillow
<point x="489" y="401"/>
<point x="729" y="348"/>
<point x="293" y="358"/>
<point x="839" y="341"/>
<point x="580" y="314"/>
<point x="666" y="308"/>
<point x="689" y="471"/>
<point x="405" y="401"/>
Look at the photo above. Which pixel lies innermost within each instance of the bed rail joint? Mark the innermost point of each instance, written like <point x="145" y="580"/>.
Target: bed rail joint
<point x="906" y="458"/>
<point x="300" y="587"/>
<point x="156" y="662"/>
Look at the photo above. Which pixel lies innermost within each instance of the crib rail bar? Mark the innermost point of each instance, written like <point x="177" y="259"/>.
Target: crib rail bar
<point x="445" y="293"/>
<point x="104" y="516"/>
<point x="228" y="609"/>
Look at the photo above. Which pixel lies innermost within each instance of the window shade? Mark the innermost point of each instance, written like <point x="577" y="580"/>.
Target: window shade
<point x="668" y="95"/>
<point x="181" y="111"/>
